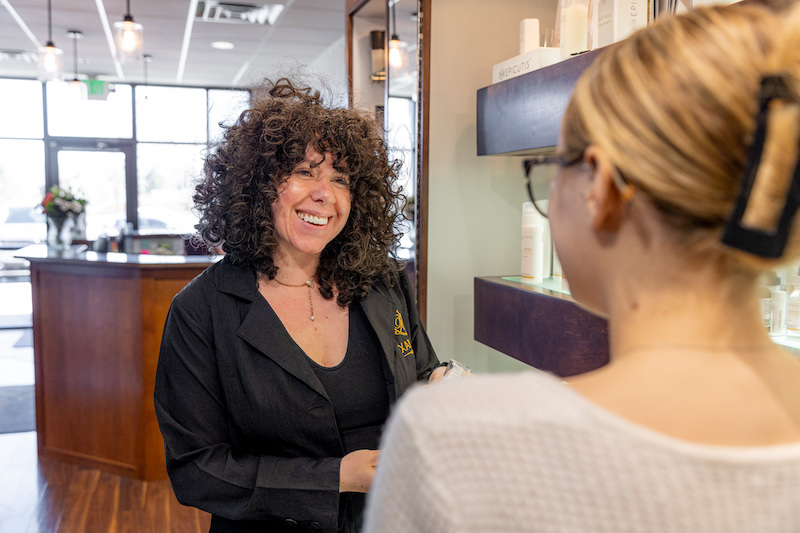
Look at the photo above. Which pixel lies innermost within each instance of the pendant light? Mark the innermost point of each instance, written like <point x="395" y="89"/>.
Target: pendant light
<point x="146" y="58"/>
<point x="128" y="38"/>
<point x="398" y="52"/>
<point x="77" y="87"/>
<point x="51" y="65"/>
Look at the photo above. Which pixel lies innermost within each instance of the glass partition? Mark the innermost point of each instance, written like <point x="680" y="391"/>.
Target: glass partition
<point x="166" y="181"/>
<point x="144" y="174"/>
<point x="368" y="62"/>
<point x="401" y="133"/>
<point x="98" y="176"/>
<point x="71" y="116"/>
<point x="22" y="182"/>
<point x="224" y="107"/>
<point x="21" y="109"/>
<point x="21" y="191"/>
<point x="402" y="89"/>
<point x="171" y="114"/>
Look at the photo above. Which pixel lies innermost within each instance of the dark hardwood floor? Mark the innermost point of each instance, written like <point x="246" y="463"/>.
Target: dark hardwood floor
<point x="47" y="496"/>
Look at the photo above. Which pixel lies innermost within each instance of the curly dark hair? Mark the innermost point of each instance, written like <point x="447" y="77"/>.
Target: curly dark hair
<point x="258" y="153"/>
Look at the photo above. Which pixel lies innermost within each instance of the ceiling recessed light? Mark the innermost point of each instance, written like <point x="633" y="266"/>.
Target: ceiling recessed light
<point x="222" y="45"/>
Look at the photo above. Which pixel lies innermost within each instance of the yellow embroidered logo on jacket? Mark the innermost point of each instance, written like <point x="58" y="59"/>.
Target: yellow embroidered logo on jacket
<point x="399" y="327"/>
<point x="400" y="330"/>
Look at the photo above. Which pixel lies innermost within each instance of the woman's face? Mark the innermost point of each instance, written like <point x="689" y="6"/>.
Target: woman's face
<point x="312" y="206"/>
<point x="571" y="227"/>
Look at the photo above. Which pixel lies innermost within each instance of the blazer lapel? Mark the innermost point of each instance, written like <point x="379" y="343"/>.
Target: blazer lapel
<point x="380" y="311"/>
<point x="265" y="339"/>
<point x="241" y="282"/>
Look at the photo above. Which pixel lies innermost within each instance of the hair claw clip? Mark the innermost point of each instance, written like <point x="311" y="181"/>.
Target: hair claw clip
<point x="769" y="244"/>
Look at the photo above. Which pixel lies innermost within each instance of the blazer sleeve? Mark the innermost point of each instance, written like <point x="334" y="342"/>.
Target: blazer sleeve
<point x="203" y="467"/>
<point x="425" y="359"/>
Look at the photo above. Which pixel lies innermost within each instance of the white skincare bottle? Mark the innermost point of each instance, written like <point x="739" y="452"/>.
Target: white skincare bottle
<point x="793" y="308"/>
<point x="574" y="27"/>
<point x="532" y="244"/>
<point x="547" y="249"/>
<point x="558" y="273"/>
<point x="528" y="35"/>
<point x="764" y="296"/>
<point x="776" y="285"/>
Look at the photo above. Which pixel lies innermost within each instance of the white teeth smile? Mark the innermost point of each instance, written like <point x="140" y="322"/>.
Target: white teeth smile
<point x="311" y="219"/>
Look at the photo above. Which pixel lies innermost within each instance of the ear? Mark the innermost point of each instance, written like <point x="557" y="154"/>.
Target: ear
<point x="604" y="201"/>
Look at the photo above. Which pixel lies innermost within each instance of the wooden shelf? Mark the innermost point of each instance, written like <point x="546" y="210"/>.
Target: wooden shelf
<point x="523" y="114"/>
<point x="542" y="328"/>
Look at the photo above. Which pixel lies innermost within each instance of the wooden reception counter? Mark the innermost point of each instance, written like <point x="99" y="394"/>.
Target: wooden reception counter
<point x="97" y="322"/>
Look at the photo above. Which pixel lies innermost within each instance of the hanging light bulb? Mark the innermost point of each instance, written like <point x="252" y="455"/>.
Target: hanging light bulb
<point x="146" y="58"/>
<point x="398" y="52"/>
<point x="51" y="65"/>
<point x="77" y="87"/>
<point x="128" y="38"/>
<point x="51" y="59"/>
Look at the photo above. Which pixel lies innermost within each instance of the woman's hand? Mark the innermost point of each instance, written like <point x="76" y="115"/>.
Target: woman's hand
<point x="437" y="374"/>
<point x="357" y="470"/>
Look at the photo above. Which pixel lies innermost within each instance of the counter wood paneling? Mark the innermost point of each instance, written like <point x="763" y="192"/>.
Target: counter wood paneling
<point x="97" y="323"/>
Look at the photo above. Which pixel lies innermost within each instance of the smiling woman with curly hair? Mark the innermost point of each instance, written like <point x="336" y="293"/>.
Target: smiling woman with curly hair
<point x="258" y="155"/>
<point x="280" y="362"/>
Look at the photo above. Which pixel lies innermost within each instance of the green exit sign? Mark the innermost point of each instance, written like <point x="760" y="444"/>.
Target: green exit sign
<point x="97" y="89"/>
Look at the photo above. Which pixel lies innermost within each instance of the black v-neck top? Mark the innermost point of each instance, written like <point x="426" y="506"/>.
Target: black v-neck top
<point x="357" y="387"/>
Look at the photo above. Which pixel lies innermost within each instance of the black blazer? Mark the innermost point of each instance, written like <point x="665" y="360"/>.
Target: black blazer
<point x="249" y="433"/>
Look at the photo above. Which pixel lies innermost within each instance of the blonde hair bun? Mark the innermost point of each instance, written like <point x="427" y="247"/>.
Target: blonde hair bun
<point x="674" y="107"/>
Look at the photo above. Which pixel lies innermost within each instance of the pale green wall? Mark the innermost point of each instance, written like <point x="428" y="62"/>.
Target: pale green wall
<point x="475" y="203"/>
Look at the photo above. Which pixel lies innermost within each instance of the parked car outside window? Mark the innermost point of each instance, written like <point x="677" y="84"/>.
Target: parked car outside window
<point x="21" y="224"/>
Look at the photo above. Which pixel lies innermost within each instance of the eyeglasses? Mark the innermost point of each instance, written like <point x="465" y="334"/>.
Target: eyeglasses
<point x="538" y="183"/>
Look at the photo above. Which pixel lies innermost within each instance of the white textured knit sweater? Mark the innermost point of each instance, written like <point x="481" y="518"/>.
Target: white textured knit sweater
<point x="524" y="452"/>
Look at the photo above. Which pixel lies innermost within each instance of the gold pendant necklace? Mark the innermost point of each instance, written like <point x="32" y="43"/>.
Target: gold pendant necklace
<point x="310" y="285"/>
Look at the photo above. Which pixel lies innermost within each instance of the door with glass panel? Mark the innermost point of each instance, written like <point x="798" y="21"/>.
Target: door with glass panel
<point x="97" y="172"/>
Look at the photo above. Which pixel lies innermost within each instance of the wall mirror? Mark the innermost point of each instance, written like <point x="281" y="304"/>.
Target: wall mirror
<point x="386" y="73"/>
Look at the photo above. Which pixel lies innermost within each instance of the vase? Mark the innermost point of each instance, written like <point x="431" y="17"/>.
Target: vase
<point x="59" y="232"/>
<point x="79" y="228"/>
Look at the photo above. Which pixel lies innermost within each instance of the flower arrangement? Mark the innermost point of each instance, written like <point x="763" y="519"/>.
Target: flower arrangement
<point x="63" y="210"/>
<point x="62" y="203"/>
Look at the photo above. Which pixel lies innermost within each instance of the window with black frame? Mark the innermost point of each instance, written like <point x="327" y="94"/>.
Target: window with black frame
<point x="133" y="154"/>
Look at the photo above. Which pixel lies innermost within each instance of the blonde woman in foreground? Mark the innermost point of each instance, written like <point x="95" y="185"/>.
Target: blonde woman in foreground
<point x="663" y="217"/>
